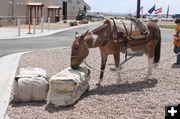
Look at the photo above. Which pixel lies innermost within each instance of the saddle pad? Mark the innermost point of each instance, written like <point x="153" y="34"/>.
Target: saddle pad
<point x="130" y="26"/>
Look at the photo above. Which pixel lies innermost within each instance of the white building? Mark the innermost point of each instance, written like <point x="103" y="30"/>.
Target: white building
<point x="29" y="9"/>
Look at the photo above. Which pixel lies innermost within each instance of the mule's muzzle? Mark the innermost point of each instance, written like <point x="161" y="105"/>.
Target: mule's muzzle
<point x="75" y="67"/>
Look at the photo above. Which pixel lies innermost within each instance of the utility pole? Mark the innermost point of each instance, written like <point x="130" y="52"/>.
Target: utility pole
<point x="138" y="8"/>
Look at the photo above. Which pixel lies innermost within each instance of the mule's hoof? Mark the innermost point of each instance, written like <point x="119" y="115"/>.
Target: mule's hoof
<point x="155" y="66"/>
<point x="148" y="81"/>
<point x="118" y="82"/>
<point x="98" y="84"/>
<point x="146" y="78"/>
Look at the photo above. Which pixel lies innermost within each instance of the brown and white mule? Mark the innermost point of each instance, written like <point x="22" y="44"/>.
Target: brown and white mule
<point x="101" y="37"/>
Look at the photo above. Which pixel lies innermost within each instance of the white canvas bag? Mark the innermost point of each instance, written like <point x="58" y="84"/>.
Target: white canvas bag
<point x="67" y="86"/>
<point x="31" y="85"/>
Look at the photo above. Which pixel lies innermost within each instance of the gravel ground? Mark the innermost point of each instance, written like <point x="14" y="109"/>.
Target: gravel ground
<point x="133" y="99"/>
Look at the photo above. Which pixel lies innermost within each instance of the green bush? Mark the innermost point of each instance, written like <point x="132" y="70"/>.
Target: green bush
<point x="64" y="21"/>
<point x="84" y="21"/>
<point x="73" y="23"/>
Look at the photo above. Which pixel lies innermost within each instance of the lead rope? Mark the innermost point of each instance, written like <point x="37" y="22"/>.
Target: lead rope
<point x="130" y="70"/>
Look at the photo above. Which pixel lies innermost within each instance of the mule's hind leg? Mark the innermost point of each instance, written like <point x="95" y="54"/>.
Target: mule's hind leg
<point x="150" y="67"/>
<point x="117" y="61"/>
<point x="103" y="65"/>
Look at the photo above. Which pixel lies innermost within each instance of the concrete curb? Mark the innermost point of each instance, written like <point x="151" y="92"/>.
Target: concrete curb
<point x="8" y="69"/>
<point x="51" y="33"/>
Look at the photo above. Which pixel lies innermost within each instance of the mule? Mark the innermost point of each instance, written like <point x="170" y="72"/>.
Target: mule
<point x="102" y="37"/>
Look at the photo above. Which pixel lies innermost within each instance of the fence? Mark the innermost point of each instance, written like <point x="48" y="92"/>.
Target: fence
<point x="9" y="21"/>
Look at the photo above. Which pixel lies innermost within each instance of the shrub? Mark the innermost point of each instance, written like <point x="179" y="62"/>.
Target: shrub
<point x="73" y="23"/>
<point x="64" y="21"/>
<point x="84" y="21"/>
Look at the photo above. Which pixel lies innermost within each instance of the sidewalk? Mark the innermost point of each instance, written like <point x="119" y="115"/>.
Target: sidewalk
<point x="12" y="31"/>
<point x="8" y="67"/>
<point x="6" y="33"/>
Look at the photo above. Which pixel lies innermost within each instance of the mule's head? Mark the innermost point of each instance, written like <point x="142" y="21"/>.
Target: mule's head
<point x="79" y="50"/>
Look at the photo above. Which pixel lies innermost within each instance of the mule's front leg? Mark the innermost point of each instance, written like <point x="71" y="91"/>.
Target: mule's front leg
<point x="103" y="65"/>
<point x="150" y="67"/>
<point x="117" y="61"/>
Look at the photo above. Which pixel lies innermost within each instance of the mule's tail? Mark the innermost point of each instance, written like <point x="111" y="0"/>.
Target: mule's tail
<point x="157" y="51"/>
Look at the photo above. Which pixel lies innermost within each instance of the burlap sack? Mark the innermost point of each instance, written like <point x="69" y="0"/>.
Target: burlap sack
<point x="31" y="85"/>
<point x="67" y="86"/>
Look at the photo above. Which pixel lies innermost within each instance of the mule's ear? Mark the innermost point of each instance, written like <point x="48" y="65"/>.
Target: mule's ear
<point x="76" y="35"/>
<point x="87" y="31"/>
<point x="82" y="36"/>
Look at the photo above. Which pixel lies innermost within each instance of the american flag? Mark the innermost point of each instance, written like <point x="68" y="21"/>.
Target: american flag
<point x="158" y="11"/>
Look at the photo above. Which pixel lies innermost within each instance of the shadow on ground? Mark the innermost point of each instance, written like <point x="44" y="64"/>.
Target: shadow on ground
<point x="123" y="88"/>
<point x="51" y="109"/>
<point x="21" y="104"/>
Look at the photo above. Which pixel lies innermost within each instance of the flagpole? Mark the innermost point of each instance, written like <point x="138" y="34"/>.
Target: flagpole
<point x="138" y="8"/>
<point x="167" y="14"/>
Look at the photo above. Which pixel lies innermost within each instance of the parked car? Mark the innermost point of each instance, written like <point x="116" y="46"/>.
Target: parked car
<point x="166" y="19"/>
<point x="94" y="15"/>
<point x="176" y="16"/>
<point x="154" y="19"/>
<point x="170" y="19"/>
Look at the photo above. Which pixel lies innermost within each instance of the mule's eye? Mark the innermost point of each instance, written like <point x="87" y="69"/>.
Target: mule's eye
<point x="76" y="47"/>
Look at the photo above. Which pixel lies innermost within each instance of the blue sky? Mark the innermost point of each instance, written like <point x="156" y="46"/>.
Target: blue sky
<point x="129" y="6"/>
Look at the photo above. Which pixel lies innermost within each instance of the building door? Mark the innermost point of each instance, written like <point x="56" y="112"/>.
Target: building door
<point x="85" y="9"/>
<point x="65" y="10"/>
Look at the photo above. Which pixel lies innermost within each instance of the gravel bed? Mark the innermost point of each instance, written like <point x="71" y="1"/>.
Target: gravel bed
<point x="133" y="99"/>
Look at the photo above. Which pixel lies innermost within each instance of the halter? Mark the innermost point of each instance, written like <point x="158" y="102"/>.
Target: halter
<point x="85" y="44"/>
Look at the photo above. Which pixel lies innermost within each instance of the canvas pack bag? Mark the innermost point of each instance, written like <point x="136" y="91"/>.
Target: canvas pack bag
<point x="30" y="85"/>
<point x="67" y="86"/>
